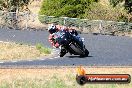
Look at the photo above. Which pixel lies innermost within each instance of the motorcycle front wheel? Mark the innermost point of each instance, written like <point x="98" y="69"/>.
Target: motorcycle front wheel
<point x="86" y="53"/>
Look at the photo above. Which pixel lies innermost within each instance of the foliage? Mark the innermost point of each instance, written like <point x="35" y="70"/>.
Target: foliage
<point x="87" y="9"/>
<point x="115" y="2"/>
<point x="127" y="4"/>
<point x="97" y="11"/>
<point x="69" y="8"/>
<point x="13" y="5"/>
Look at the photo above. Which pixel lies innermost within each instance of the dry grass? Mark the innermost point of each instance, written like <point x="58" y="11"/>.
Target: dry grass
<point x="11" y="51"/>
<point x="104" y="2"/>
<point x="55" y="78"/>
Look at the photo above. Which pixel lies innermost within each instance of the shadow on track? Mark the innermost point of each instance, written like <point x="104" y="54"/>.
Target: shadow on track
<point x="76" y="56"/>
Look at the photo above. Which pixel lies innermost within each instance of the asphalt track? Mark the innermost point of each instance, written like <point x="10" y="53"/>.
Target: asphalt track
<point x="104" y="50"/>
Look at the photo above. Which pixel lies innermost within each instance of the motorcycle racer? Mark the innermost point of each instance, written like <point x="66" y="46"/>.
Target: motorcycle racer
<point x="54" y="29"/>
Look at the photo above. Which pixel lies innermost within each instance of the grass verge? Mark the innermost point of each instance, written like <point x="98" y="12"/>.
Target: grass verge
<point x="55" y="78"/>
<point x="15" y="51"/>
<point x="43" y="49"/>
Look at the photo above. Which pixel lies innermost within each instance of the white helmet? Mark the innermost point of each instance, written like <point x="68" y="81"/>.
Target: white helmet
<point x="52" y="29"/>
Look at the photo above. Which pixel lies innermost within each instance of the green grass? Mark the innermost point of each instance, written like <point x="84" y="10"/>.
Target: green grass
<point x="43" y="49"/>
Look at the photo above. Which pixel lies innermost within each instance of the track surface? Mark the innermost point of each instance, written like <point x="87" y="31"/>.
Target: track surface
<point x="104" y="50"/>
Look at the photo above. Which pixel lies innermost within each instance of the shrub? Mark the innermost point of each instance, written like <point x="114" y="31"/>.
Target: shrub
<point x="86" y="9"/>
<point x="97" y="11"/>
<point x="69" y="8"/>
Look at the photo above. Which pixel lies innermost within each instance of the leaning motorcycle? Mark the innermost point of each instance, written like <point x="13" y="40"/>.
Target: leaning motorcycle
<point x="70" y="43"/>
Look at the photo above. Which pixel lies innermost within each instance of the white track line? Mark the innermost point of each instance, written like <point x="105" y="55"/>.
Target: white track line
<point x="29" y="60"/>
<point x="51" y="58"/>
<point x="42" y="59"/>
<point x="1" y="62"/>
<point x="54" y="57"/>
<point x="14" y="61"/>
<point x="4" y="42"/>
<point x="57" y="57"/>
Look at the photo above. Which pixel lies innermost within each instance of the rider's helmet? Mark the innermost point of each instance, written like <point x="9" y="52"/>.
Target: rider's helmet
<point x="52" y="29"/>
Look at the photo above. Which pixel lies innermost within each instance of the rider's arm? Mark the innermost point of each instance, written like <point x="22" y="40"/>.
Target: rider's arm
<point x="52" y="41"/>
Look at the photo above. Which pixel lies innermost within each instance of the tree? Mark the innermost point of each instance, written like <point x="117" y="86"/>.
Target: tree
<point x="127" y="4"/>
<point x="13" y="5"/>
<point x="69" y="8"/>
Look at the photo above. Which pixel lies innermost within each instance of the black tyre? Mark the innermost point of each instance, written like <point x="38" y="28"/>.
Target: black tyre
<point x="61" y="55"/>
<point x="86" y="53"/>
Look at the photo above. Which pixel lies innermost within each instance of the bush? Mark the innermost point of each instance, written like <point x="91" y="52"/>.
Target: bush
<point x="69" y="8"/>
<point x="97" y="11"/>
<point x="84" y="9"/>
